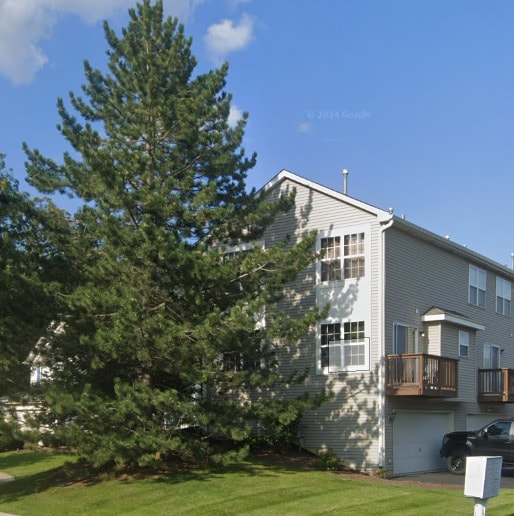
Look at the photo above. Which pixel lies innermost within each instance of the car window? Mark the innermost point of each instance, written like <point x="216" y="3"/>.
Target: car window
<point x="499" y="429"/>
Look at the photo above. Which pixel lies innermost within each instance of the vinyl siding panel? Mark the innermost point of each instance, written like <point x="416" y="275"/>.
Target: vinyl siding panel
<point x="349" y="422"/>
<point x="420" y="275"/>
<point x="421" y="271"/>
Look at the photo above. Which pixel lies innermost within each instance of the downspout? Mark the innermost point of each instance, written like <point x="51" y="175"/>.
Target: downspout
<point x="381" y="333"/>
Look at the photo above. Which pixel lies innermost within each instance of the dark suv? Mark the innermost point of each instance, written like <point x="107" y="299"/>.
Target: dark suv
<point x="496" y="438"/>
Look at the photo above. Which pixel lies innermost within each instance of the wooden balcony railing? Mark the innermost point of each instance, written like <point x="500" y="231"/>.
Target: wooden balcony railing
<point x="417" y="374"/>
<point x="496" y="385"/>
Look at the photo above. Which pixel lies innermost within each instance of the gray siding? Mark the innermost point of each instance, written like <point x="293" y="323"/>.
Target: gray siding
<point x="349" y="422"/>
<point x="420" y="275"/>
<point x="421" y="271"/>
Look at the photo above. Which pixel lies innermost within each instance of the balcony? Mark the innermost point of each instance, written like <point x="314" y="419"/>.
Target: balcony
<point x="496" y="385"/>
<point x="417" y="374"/>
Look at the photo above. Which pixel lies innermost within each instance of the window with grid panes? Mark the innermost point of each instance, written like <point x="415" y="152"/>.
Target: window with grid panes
<point x="354" y="344"/>
<point x="342" y="258"/>
<point x="331" y="259"/>
<point x="354" y="255"/>
<point x="330" y="334"/>
<point x="343" y="351"/>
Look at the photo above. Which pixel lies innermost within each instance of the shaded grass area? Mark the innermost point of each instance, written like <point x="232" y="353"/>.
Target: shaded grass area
<point x="42" y="487"/>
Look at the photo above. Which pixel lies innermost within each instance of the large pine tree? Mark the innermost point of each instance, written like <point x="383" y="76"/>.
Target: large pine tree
<point x="30" y="265"/>
<point x="165" y="353"/>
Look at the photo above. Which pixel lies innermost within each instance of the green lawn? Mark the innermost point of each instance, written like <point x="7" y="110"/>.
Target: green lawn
<point x="254" y="487"/>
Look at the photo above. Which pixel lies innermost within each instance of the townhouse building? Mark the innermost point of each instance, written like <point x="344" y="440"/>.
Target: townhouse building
<point x="418" y="339"/>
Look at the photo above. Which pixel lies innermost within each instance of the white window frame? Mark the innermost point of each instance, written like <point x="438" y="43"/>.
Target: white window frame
<point x="463" y="343"/>
<point x="354" y="255"/>
<point x="349" y="253"/>
<point x="343" y="346"/>
<point x="332" y="258"/>
<point x="503" y="296"/>
<point x="477" y="286"/>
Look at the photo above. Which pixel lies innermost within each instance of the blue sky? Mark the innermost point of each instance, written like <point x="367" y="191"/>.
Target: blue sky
<point x="415" y="98"/>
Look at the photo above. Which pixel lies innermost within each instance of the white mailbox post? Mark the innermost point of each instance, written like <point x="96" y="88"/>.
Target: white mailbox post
<point x="483" y="477"/>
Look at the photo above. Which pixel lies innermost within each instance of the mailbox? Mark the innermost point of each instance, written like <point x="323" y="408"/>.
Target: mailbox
<point x="483" y="477"/>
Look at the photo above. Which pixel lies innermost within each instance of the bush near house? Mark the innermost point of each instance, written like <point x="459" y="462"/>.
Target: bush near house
<point x="10" y="438"/>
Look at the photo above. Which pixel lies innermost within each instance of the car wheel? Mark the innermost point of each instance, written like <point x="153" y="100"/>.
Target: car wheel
<point x="457" y="462"/>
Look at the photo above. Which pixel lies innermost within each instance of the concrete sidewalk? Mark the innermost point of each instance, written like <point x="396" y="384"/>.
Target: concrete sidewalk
<point x="4" y="477"/>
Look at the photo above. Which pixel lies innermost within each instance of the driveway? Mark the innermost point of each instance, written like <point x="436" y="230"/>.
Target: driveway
<point x="453" y="481"/>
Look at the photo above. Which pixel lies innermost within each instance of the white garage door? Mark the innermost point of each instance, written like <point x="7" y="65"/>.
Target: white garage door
<point x="417" y="440"/>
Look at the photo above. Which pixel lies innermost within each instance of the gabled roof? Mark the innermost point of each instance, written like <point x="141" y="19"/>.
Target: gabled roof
<point x="383" y="216"/>
<point x="399" y="223"/>
<point x="436" y="314"/>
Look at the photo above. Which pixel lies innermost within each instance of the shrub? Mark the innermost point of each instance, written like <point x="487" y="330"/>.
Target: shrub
<point x="10" y="438"/>
<point x="327" y="460"/>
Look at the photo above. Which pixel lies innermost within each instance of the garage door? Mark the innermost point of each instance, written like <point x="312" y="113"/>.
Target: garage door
<point x="417" y="440"/>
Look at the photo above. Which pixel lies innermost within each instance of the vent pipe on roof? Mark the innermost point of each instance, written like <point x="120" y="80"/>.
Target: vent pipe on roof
<point x="345" y="181"/>
<point x="512" y="261"/>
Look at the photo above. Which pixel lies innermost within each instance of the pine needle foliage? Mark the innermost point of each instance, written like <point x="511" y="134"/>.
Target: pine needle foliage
<point x="30" y="265"/>
<point x="164" y="354"/>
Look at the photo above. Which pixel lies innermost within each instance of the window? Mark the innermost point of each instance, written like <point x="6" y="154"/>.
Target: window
<point x="235" y="361"/>
<point x="477" y="284"/>
<point x="331" y="259"/>
<point x="463" y="344"/>
<point x="492" y="381"/>
<point x="348" y="262"/>
<point x="499" y="429"/>
<point x="405" y="339"/>
<point x="491" y="357"/>
<point x="354" y="255"/>
<point x="330" y="335"/>
<point x="346" y="351"/>
<point x="354" y="344"/>
<point x="503" y="296"/>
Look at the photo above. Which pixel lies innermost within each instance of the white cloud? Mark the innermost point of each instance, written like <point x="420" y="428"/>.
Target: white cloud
<point x="234" y="115"/>
<point x="25" y="23"/>
<point x="225" y="37"/>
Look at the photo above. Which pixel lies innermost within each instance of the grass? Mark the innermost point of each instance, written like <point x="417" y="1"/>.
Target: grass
<point x="254" y="487"/>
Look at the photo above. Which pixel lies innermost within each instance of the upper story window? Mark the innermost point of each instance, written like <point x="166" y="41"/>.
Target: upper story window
<point x="463" y="344"/>
<point x="331" y="259"/>
<point x="354" y="255"/>
<point x="477" y="286"/>
<point x="342" y="258"/>
<point x="344" y="347"/>
<point x="503" y="296"/>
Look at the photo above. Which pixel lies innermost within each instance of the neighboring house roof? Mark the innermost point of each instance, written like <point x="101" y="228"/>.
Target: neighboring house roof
<point x="436" y="314"/>
<point x="35" y="358"/>
<point x="399" y="223"/>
